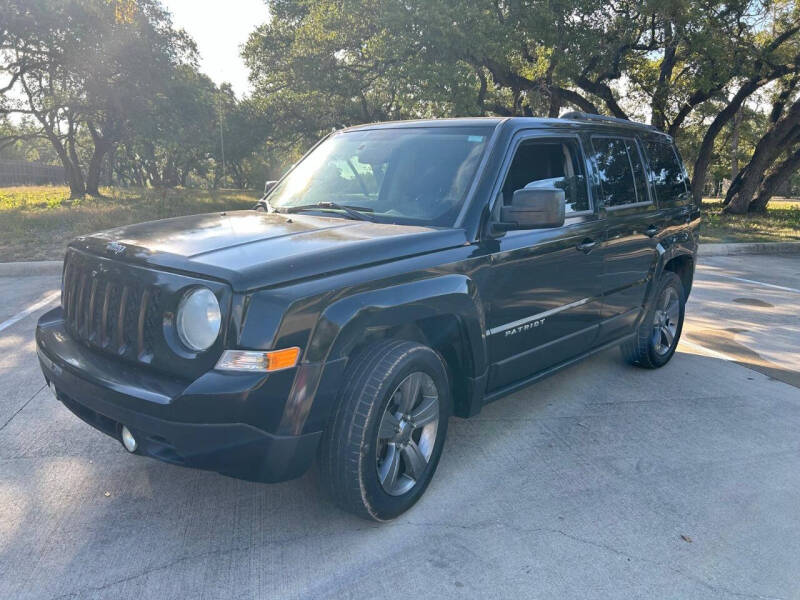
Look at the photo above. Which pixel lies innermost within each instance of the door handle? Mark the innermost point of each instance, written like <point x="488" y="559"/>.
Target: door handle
<point x="586" y="245"/>
<point x="652" y="230"/>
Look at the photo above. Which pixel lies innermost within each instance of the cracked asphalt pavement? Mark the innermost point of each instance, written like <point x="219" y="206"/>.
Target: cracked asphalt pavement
<point x="604" y="481"/>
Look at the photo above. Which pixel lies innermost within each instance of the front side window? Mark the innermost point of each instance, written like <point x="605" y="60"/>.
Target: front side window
<point x="666" y="171"/>
<point x="549" y="163"/>
<point x="404" y="175"/>
<point x="620" y="169"/>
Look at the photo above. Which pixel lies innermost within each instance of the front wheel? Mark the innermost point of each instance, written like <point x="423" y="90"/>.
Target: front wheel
<point x="658" y="334"/>
<point x="381" y="450"/>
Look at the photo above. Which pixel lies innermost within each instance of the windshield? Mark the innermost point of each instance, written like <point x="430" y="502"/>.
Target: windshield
<point x="407" y="176"/>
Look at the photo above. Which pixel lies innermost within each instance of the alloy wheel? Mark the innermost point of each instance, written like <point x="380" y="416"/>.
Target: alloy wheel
<point x="665" y="320"/>
<point x="407" y="433"/>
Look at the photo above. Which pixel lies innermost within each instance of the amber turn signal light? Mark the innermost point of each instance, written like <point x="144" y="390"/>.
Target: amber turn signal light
<point x="258" y="360"/>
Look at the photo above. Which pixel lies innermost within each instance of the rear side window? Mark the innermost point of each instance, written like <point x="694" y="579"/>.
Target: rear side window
<point x="666" y="171"/>
<point x="620" y="169"/>
<point x="550" y="162"/>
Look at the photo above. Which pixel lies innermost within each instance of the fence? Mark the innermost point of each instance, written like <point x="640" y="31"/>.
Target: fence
<point x="20" y="172"/>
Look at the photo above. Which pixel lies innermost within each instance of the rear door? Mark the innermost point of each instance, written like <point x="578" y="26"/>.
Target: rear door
<point x="633" y="226"/>
<point x="542" y="290"/>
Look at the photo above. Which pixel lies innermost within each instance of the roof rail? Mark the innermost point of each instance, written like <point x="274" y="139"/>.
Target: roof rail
<point x="582" y="116"/>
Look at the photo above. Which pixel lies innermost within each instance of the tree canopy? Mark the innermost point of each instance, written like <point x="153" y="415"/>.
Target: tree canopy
<point x="683" y="65"/>
<point x="113" y="79"/>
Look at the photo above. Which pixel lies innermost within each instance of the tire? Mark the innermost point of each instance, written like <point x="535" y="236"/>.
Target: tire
<point x="369" y="456"/>
<point x="649" y="348"/>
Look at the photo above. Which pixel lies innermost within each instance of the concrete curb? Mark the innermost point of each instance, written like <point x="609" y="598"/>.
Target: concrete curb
<point x="749" y="248"/>
<point x="28" y="268"/>
<point x="53" y="267"/>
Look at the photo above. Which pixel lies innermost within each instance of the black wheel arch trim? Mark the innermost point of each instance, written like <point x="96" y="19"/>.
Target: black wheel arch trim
<point x="670" y="253"/>
<point x="343" y="322"/>
<point x="341" y="326"/>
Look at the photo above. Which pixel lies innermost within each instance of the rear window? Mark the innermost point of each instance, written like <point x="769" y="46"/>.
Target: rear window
<point x="619" y="166"/>
<point x="666" y="171"/>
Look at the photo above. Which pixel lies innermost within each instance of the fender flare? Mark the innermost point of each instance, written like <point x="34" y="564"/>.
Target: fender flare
<point x="669" y="253"/>
<point x="343" y="322"/>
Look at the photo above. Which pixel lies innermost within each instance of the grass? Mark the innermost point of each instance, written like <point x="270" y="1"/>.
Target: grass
<point x="781" y="223"/>
<point x="36" y="222"/>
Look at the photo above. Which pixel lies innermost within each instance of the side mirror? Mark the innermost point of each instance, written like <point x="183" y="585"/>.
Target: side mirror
<point x="269" y="185"/>
<point x="533" y="208"/>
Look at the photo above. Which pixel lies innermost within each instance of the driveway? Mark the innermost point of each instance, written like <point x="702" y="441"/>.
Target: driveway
<point x="604" y="481"/>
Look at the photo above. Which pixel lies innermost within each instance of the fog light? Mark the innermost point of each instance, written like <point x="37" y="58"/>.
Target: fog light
<point x="128" y="440"/>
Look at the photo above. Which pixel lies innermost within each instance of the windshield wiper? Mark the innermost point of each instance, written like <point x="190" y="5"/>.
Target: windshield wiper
<point x="350" y="211"/>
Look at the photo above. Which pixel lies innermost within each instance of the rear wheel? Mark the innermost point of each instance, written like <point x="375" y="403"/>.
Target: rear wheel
<point x="660" y="330"/>
<point x="381" y="450"/>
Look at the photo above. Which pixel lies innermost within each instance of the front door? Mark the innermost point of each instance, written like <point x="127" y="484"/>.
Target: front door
<point x="543" y="288"/>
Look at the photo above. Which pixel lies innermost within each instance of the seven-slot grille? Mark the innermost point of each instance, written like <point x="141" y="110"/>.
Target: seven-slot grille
<point x="108" y="311"/>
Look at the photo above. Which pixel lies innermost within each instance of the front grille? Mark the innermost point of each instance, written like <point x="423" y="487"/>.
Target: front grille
<point x="108" y="311"/>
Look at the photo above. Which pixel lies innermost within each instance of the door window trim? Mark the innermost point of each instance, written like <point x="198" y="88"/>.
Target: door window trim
<point x="526" y="135"/>
<point x="645" y="166"/>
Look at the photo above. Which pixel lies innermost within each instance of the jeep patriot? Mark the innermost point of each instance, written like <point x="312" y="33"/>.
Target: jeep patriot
<point x="398" y="274"/>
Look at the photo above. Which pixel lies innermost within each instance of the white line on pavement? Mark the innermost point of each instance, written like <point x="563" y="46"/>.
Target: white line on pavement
<point x="753" y="281"/>
<point x="31" y="309"/>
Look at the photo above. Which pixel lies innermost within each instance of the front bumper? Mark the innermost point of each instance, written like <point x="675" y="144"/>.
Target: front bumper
<point x="180" y="422"/>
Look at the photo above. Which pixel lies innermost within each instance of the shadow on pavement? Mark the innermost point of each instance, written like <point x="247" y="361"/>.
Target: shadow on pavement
<point x="722" y="340"/>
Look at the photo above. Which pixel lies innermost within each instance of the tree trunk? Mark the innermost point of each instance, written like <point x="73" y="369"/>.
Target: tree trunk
<point x="701" y="96"/>
<point x="101" y="148"/>
<point x="775" y="180"/>
<point x="73" y="155"/>
<point x="602" y="91"/>
<point x="75" y="179"/>
<point x="744" y="187"/>
<point x="576" y="100"/>
<point x="77" y="189"/>
<point x="661" y="94"/>
<point x="707" y="146"/>
<point x="748" y="87"/>
<point x="555" y="103"/>
<point x="482" y="91"/>
<point x="103" y="143"/>
<point x="737" y="121"/>
<point x="111" y="167"/>
<point x="694" y="100"/>
<point x="72" y="169"/>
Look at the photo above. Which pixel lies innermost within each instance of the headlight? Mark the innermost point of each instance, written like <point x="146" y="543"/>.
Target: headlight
<point x="198" y="319"/>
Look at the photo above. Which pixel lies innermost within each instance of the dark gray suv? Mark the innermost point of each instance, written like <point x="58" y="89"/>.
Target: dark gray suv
<point x="397" y="275"/>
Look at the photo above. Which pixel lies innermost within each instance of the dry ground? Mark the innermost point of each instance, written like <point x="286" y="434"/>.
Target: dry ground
<point x="36" y="222"/>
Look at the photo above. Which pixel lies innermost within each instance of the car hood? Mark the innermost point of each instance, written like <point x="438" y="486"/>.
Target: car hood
<point x="252" y="249"/>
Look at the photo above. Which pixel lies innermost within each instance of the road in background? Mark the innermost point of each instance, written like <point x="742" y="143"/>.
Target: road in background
<point x="746" y="307"/>
<point x="603" y="481"/>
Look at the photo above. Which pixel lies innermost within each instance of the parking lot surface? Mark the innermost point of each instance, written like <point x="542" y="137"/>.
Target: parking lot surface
<point x="604" y="481"/>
